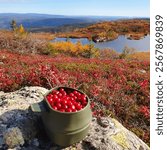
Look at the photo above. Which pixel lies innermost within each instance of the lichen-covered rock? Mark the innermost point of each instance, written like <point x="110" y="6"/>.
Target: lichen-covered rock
<point x="108" y="134"/>
<point x="13" y="137"/>
<point x="15" y="114"/>
<point x="22" y="129"/>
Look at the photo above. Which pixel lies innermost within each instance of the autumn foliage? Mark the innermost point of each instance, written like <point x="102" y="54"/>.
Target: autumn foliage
<point x="133" y="28"/>
<point x="72" y="49"/>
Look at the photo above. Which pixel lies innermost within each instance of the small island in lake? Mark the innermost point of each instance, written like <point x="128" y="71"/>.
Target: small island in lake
<point x="134" y="29"/>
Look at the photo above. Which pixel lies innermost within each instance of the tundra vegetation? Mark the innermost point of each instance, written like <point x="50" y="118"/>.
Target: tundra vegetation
<point x="105" y="31"/>
<point x="117" y="84"/>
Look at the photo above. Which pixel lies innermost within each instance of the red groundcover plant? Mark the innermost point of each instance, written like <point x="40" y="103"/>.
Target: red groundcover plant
<point x="118" y="88"/>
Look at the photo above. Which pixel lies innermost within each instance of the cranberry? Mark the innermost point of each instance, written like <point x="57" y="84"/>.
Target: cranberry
<point x="68" y="110"/>
<point x="84" y="104"/>
<point x="75" y="92"/>
<point x="49" y="96"/>
<point x="83" y="97"/>
<point x="71" y="98"/>
<point x="50" y="100"/>
<point x="61" y="90"/>
<point x="75" y="97"/>
<point x="58" y="106"/>
<point x="78" y="106"/>
<point x="59" y="95"/>
<point x="69" y="103"/>
<point x="62" y="110"/>
<point x="55" y="92"/>
<point x="71" y="95"/>
<point x="54" y="107"/>
<point x="73" y="107"/>
<point x="74" y="110"/>
<point x="64" y="93"/>
<point x="55" y="96"/>
<point x="67" y="98"/>
<point x="57" y="100"/>
<point x="65" y="106"/>
<point x="78" y="94"/>
<point x="64" y="102"/>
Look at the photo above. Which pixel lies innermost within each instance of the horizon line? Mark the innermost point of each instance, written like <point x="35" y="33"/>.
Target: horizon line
<point x="74" y="15"/>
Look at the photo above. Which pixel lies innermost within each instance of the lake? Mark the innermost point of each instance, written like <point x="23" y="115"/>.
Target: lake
<point x="118" y="44"/>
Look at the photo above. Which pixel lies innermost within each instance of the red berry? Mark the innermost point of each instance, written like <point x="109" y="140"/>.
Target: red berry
<point x="64" y="102"/>
<point x="54" y="107"/>
<point x="83" y="97"/>
<point x="71" y="98"/>
<point x="67" y="98"/>
<point x="64" y="93"/>
<point x="65" y="106"/>
<point x="57" y="100"/>
<point x="75" y="92"/>
<point x="48" y="96"/>
<point x="84" y="105"/>
<point x="69" y="103"/>
<point x="79" y="98"/>
<point x="59" y="95"/>
<point x="62" y="110"/>
<point x="50" y="100"/>
<point x="73" y="107"/>
<point x="78" y="94"/>
<point x="58" y="106"/>
<point x="51" y="95"/>
<point x="74" y="110"/>
<point x="61" y="90"/>
<point x="78" y="106"/>
<point x="68" y="110"/>
<point x="55" y="96"/>
<point x="71" y="94"/>
<point x="83" y="100"/>
<point x="55" y="92"/>
<point x="75" y="97"/>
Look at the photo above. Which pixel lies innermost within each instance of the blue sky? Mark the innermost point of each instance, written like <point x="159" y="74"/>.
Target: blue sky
<point x="136" y="8"/>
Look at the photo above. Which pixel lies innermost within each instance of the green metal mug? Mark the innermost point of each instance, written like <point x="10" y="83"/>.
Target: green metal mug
<point x="64" y="128"/>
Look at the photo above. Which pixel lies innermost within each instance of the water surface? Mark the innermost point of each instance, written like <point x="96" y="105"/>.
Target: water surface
<point x="118" y="44"/>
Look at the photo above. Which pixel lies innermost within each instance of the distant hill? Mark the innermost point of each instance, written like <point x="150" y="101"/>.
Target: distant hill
<point x="5" y="18"/>
<point x="51" y="23"/>
<point x="31" y="20"/>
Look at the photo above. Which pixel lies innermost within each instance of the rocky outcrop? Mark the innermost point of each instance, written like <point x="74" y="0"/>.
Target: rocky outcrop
<point x="98" y="39"/>
<point x="22" y="129"/>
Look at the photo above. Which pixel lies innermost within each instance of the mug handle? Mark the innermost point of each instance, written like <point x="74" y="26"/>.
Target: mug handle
<point x="38" y="107"/>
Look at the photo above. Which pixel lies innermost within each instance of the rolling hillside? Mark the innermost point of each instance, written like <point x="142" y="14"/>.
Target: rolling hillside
<point x="45" y="21"/>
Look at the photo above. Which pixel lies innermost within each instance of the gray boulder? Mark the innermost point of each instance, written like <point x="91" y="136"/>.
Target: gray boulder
<point x="20" y="128"/>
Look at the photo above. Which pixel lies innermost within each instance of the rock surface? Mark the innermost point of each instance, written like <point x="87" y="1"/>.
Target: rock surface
<point x="22" y="129"/>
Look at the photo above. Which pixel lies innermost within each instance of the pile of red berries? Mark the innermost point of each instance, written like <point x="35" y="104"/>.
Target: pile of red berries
<point x="66" y="102"/>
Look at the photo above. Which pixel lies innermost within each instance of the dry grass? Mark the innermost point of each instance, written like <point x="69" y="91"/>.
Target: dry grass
<point x="140" y="56"/>
<point x="24" y="43"/>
